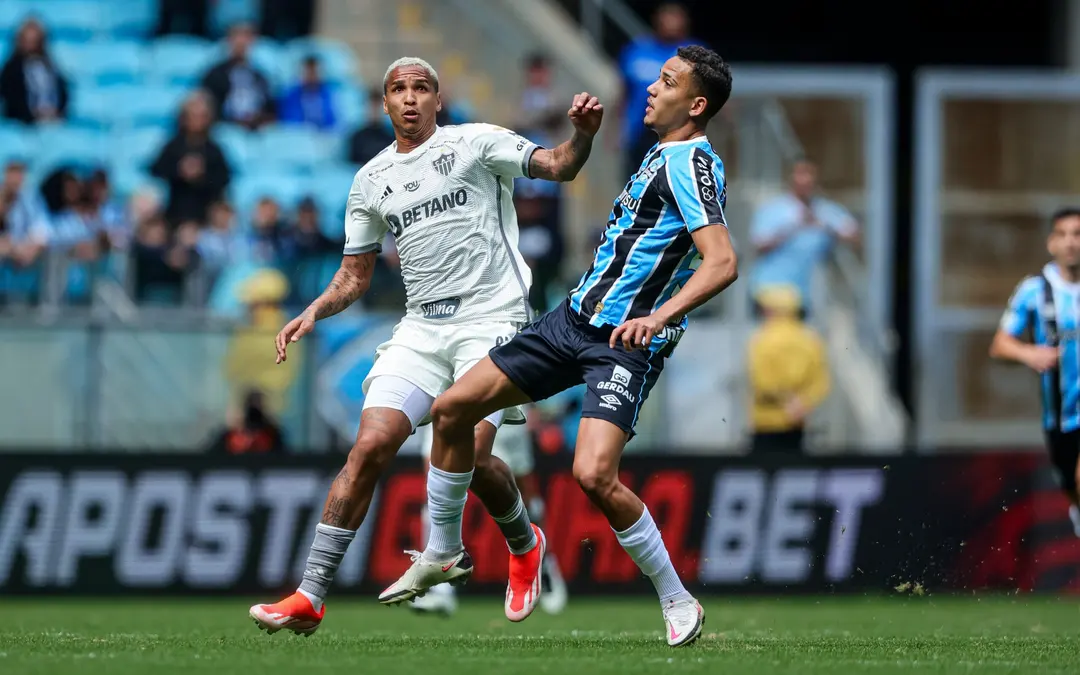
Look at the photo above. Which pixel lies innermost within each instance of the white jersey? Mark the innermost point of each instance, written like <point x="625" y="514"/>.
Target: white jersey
<point x="449" y="204"/>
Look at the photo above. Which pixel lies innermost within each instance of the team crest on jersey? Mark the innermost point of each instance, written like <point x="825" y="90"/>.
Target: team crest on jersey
<point x="413" y="186"/>
<point x="445" y="163"/>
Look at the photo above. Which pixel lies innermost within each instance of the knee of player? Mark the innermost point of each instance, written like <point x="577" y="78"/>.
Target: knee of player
<point x="596" y="481"/>
<point x="449" y="416"/>
<point x="372" y="451"/>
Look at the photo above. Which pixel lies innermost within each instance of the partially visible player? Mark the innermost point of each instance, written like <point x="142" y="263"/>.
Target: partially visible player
<point x="446" y="194"/>
<point x="666" y="251"/>
<point x="1040" y="330"/>
<point x="513" y="445"/>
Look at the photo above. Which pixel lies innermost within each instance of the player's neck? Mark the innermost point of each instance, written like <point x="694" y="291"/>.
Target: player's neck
<point x="406" y="143"/>
<point x="1070" y="274"/>
<point x="684" y="133"/>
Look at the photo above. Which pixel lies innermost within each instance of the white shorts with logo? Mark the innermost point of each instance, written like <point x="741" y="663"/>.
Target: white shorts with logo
<point x="432" y="356"/>
<point x="513" y="445"/>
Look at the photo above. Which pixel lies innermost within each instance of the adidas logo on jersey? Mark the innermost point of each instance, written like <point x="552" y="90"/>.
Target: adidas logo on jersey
<point x="386" y="193"/>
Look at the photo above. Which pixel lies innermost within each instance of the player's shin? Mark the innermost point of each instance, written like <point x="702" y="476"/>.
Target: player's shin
<point x="643" y="542"/>
<point x="448" y="480"/>
<point x="493" y="482"/>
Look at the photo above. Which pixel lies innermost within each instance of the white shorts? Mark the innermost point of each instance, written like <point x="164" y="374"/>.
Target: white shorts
<point x="512" y="445"/>
<point x="433" y="356"/>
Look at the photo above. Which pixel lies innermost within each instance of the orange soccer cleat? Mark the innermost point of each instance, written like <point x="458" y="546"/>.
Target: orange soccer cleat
<point x="523" y="588"/>
<point x="294" y="613"/>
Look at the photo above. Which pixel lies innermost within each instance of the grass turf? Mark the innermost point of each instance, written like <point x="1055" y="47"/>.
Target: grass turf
<point x="771" y="636"/>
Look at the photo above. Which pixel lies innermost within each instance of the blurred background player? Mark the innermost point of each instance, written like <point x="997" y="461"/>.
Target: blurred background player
<point x="445" y="193"/>
<point x="513" y="445"/>
<point x="614" y="332"/>
<point x="1040" y="330"/>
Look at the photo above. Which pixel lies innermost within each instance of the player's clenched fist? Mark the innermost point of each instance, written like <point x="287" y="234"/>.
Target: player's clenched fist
<point x="292" y="332"/>
<point x="586" y="113"/>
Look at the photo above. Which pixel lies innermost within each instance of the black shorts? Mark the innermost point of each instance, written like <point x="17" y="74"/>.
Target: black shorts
<point x="562" y="350"/>
<point x="1064" y="447"/>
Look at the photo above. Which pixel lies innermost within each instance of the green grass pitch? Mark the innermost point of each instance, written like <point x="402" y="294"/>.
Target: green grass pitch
<point x="802" y="636"/>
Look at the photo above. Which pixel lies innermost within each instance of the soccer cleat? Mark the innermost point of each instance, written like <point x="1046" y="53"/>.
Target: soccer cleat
<point x="424" y="574"/>
<point x="684" y="619"/>
<point x="294" y="613"/>
<point x="523" y="589"/>
<point x="553" y="593"/>
<point x="439" y="600"/>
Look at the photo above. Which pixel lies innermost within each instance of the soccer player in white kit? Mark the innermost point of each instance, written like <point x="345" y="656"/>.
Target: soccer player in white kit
<point x="445" y="193"/>
<point x="513" y="445"/>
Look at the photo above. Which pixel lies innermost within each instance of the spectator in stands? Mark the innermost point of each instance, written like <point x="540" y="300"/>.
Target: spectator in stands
<point x="107" y="216"/>
<point x="372" y="138"/>
<point x="240" y="92"/>
<point x="287" y="19"/>
<point x="793" y="233"/>
<point x="305" y="240"/>
<point x="789" y="374"/>
<point x="24" y="230"/>
<point x="640" y="63"/>
<point x="538" y="102"/>
<point x="220" y="245"/>
<point x="72" y="234"/>
<point x="163" y="261"/>
<point x="245" y="367"/>
<point x="251" y="431"/>
<point x="31" y="86"/>
<point x="539" y="210"/>
<point x="311" y="102"/>
<point x="266" y="245"/>
<point x="185" y="17"/>
<point x="192" y="164"/>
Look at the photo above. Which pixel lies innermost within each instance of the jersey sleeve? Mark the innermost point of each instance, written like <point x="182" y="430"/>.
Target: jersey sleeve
<point x="697" y="188"/>
<point x="502" y="151"/>
<point x="1017" y="318"/>
<point x="364" y="229"/>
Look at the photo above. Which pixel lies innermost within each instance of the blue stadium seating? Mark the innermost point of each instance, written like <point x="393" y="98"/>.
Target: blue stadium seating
<point x="16" y="143"/>
<point x="285" y="188"/>
<point x="136" y="148"/>
<point x="180" y="60"/>
<point x="330" y="187"/>
<point x="298" y="146"/>
<point x="90" y="107"/>
<point x="225" y="13"/>
<point x="131" y="18"/>
<point x="59" y="145"/>
<point x="72" y="19"/>
<point x="351" y="103"/>
<point x="15" y="12"/>
<point x="338" y="61"/>
<point x="101" y="63"/>
<point x="239" y="145"/>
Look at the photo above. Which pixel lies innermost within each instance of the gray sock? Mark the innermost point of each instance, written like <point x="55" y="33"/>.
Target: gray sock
<point x="326" y="553"/>
<point x="516" y="527"/>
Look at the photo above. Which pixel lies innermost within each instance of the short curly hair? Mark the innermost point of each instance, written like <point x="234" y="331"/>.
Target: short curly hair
<point x="711" y="76"/>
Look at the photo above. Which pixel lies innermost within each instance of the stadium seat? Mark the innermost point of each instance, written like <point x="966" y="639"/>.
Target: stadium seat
<point x="180" y="60"/>
<point x="285" y="188"/>
<point x="101" y="63"/>
<point x="136" y="148"/>
<point x="131" y="18"/>
<point x="15" y="12"/>
<point x="330" y="188"/>
<point x="90" y="107"/>
<point x="148" y="106"/>
<point x="351" y="106"/>
<point x="72" y="20"/>
<point x="225" y="13"/>
<point x="303" y="148"/>
<point x="338" y="61"/>
<point x="238" y="144"/>
<point x="16" y="142"/>
<point x="61" y="145"/>
<point x="126" y="181"/>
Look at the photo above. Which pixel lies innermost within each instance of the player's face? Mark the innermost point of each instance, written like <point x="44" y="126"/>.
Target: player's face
<point x="1064" y="242"/>
<point x="411" y="100"/>
<point x="673" y="97"/>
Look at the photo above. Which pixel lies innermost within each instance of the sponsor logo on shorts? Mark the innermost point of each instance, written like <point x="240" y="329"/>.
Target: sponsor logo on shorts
<point x="612" y="400"/>
<point x="441" y="309"/>
<point x="620" y="380"/>
<point x="621" y="375"/>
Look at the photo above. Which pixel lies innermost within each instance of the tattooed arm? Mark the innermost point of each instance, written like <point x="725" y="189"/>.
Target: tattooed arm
<point x="351" y="281"/>
<point x="563" y="162"/>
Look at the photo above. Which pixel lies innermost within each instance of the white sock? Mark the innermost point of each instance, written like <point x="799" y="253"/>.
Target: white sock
<point x="327" y="551"/>
<point x="643" y="542"/>
<point x="1074" y="516"/>
<point x="447" y="493"/>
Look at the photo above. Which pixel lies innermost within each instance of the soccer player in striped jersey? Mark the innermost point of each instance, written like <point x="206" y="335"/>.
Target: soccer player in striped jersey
<point x="666" y="251"/>
<point x="1040" y="330"/>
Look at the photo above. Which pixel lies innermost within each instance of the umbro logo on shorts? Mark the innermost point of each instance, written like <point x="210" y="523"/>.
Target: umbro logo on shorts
<point x="611" y="399"/>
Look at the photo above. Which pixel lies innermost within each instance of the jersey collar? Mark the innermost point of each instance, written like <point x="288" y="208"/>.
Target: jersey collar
<point x="1051" y="272"/>
<point x="689" y="141"/>
<point x="418" y="150"/>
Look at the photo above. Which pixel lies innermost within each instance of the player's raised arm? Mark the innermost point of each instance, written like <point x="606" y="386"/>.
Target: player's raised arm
<point x="1008" y="344"/>
<point x="563" y="162"/>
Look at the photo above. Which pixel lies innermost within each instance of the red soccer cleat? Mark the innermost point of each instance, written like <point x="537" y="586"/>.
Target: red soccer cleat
<point x="294" y="613"/>
<point x="523" y="588"/>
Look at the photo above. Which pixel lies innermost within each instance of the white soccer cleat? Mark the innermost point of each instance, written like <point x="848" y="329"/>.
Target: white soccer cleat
<point x="423" y="574"/>
<point x="440" y="600"/>
<point x="554" y="596"/>
<point x="684" y="619"/>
